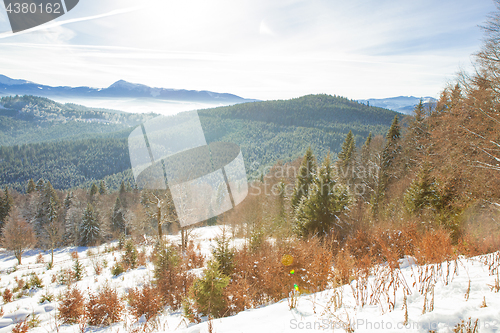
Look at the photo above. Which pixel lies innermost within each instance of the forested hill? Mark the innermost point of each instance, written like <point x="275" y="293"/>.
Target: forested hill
<point x="30" y="119"/>
<point x="308" y="111"/>
<point x="266" y="132"/>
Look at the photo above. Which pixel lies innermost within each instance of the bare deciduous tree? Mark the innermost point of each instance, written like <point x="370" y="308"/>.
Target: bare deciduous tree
<point x="18" y="235"/>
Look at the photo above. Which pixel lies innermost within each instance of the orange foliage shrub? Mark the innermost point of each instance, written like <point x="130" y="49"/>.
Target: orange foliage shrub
<point x="7" y="295"/>
<point x="72" y="306"/>
<point x="104" y="307"/>
<point x="194" y="257"/>
<point x="74" y="255"/>
<point x="145" y="301"/>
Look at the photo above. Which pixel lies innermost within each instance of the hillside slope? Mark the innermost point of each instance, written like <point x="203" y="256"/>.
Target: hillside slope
<point x="30" y="119"/>
<point x="265" y="131"/>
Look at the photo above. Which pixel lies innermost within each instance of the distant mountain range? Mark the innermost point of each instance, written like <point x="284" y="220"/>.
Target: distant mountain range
<point x="403" y="104"/>
<point x="119" y="89"/>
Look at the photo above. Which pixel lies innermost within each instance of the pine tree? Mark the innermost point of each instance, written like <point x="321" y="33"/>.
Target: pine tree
<point x="53" y="230"/>
<point x="68" y="200"/>
<point x="122" y="188"/>
<point x="346" y="155"/>
<point x="117" y="218"/>
<point x="392" y="147"/>
<point x="90" y="230"/>
<point x="31" y="186"/>
<point x="93" y="189"/>
<point x="6" y="203"/>
<point x="40" y="184"/>
<point x="47" y="195"/>
<point x="102" y="188"/>
<point x="391" y="152"/>
<point x="319" y="212"/>
<point x="78" y="270"/>
<point x="365" y="150"/>
<point x="130" y="256"/>
<point x="304" y="177"/>
<point x="416" y="138"/>
<point x="224" y="255"/>
<point x="346" y="162"/>
<point x="208" y="291"/>
<point x="422" y="192"/>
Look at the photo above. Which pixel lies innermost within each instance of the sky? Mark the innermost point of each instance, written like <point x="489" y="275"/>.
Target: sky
<point x="258" y="49"/>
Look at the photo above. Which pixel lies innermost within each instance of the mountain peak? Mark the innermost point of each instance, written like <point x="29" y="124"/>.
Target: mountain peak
<point x="126" y="85"/>
<point x="11" y="82"/>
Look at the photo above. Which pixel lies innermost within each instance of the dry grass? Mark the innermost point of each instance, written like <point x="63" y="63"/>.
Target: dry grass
<point x="21" y="327"/>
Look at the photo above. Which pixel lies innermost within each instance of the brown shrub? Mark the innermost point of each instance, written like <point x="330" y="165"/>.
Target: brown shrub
<point x="104" y="307"/>
<point x="72" y="306"/>
<point x="434" y="246"/>
<point x="237" y="297"/>
<point x="145" y="301"/>
<point x="263" y="276"/>
<point x="173" y="286"/>
<point x="141" y="258"/>
<point x="74" y="255"/>
<point x="39" y="259"/>
<point x="194" y="258"/>
<point x="7" y="295"/>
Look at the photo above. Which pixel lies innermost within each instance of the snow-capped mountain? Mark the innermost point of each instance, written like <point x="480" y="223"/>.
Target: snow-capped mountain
<point x="119" y="89"/>
<point x="403" y="104"/>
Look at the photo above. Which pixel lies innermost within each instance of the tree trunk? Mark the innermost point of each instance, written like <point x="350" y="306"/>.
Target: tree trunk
<point x="158" y="216"/>
<point x="183" y="240"/>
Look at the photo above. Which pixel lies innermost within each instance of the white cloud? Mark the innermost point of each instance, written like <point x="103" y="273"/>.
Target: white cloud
<point x="359" y="49"/>
<point x="264" y="29"/>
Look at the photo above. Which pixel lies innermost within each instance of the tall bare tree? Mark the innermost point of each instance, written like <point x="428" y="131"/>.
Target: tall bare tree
<point x="18" y="235"/>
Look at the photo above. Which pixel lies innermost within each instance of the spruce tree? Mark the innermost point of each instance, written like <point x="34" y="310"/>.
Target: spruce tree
<point x="224" y="255"/>
<point x="365" y="150"/>
<point x="31" y="186"/>
<point x="68" y="200"/>
<point x="130" y="256"/>
<point x="319" y="212"/>
<point x="117" y="218"/>
<point x="53" y="230"/>
<point x="102" y="188"/>
<point x="40" y="184"/>
<point x="90" y="230"/>
<point x="346" y="162"/>
<point x="305" y="177"/>
<point x="392" y="147"/>
<point x="6" y="203"/>
<point x="208" y="291"/>
<point x="346" y="155"/>
<point x="47" y="194"/>
<point x="390" y="153"/>
<point x="422" y="192"/>
<point x="93" y="189"/>
<point x="78" y="270"/>
<point x="122" y="188"/>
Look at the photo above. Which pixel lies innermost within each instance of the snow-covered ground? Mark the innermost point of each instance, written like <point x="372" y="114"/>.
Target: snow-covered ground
<point x="366" y="305"/>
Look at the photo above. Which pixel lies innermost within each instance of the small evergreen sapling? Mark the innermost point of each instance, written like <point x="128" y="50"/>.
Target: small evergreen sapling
<point x="224" y="255"/>
<point x="78" y="270"/>
<point x="208" y="291"/>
